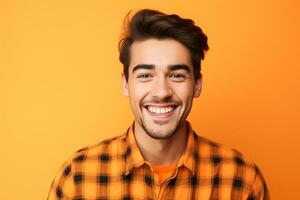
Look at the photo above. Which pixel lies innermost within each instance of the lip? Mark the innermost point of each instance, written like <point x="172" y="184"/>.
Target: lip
<point x="162" y="105"/>
<point x="161" y="115"/>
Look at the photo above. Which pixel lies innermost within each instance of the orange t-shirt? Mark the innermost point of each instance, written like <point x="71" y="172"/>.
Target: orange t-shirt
<point x="164" y="172"/>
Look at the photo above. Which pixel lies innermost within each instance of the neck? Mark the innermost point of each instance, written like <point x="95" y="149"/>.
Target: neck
<point x="161" y="152"/>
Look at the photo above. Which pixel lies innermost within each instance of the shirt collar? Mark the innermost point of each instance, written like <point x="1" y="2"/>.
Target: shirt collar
<point x="188" y="159"/>
<point x="134" y="158"/>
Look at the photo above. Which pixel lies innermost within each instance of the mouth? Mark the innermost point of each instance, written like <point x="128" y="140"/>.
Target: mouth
<point x="161" y="111"/>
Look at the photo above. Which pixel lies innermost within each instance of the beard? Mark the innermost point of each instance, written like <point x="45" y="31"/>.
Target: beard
<point x="159" y="135"/>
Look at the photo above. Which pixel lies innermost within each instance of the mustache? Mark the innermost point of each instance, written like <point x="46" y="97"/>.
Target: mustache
<point x="161" y="101"/>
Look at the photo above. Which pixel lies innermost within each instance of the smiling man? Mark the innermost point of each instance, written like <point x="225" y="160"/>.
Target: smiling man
<point x="160" y="156"/>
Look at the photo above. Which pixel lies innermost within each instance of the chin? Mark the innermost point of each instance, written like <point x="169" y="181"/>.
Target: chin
<point x="161" y="132"/>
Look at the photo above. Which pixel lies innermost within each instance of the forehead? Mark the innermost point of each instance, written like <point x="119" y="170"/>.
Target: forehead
<point x="160" y="53"/>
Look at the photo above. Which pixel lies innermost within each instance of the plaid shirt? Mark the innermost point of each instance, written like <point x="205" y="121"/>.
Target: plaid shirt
<point x="115" y="169"/>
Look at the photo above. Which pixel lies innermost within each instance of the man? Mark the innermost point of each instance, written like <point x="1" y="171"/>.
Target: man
<point x="160" y="157"/>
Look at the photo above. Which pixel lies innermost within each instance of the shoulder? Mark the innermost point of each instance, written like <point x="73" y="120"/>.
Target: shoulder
<point x="101" y="151"/>
<point x="231" y="169"/>
<point x="89" y="159"/>
<point x="83" y="165"/>
<point x="228" y="162"/>
<point x="220" y="152"/>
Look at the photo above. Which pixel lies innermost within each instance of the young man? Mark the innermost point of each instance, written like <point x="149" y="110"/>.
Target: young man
<point x="160" y="157"/>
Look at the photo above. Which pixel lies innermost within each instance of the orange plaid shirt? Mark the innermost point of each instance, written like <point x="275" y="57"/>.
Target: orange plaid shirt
<point x="115" y="169"/>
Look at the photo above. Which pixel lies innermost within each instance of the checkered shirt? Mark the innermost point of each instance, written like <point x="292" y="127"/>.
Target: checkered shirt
<point x="115" y="169"/>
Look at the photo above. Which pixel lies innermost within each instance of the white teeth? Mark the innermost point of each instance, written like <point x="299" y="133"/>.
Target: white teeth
<point x="160" y="110"/>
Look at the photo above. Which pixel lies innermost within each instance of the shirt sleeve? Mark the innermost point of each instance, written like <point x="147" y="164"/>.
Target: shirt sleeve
<point x="259" y="190"/>
<point x="62" y="187"/>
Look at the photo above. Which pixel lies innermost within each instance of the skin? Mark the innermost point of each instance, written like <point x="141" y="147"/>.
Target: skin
<point x="161" y="77"/>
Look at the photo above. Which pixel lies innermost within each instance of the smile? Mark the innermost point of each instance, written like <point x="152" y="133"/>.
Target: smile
<point x="160" y="110"/>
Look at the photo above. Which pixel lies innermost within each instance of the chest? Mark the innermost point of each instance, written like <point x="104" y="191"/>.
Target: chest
<point x="145" y="185"/>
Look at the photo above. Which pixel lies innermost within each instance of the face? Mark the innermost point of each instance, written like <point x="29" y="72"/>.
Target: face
<point x="161" y="86"/>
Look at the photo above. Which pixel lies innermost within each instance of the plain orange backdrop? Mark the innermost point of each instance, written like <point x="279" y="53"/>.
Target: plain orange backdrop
<point x="60" y="84"/>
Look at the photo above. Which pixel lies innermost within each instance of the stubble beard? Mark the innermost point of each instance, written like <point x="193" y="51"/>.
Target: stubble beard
<point x="154" y="134"/>
<point x="159" y="136"/>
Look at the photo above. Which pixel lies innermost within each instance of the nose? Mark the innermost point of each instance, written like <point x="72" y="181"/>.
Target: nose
<point x="161" y="89"/>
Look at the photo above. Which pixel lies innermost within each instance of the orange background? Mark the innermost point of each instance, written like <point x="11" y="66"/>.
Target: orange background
<point x="60" y="84"/>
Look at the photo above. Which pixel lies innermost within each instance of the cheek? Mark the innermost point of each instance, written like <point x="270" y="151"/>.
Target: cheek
<point x="184" y="91"/>
<point x="137" y="93"/>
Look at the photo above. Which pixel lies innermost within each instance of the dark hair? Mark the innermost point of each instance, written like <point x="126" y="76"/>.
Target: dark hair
<point x="148" y="23"/>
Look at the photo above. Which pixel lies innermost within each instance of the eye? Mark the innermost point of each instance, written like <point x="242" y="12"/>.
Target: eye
<point x="177" y="77"/>
<point x="144" y="77"/>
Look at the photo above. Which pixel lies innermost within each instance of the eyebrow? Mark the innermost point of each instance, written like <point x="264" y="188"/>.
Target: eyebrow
<point x="179" y="67"/>
<point x="170" y="67"/>
<point x="143" y="66"/>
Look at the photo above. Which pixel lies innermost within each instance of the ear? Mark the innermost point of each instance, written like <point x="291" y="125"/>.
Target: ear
<point x="198" y="87"/>
<point x="125" y="91"/>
